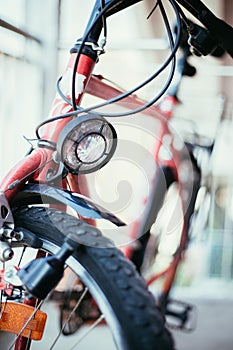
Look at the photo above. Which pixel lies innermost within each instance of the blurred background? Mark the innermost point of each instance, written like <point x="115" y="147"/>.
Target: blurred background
<point x="35" y="38"/>
<point x="35" y="42"/>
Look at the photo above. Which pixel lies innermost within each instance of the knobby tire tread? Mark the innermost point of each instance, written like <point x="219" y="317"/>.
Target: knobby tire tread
<point x="134" y="306"/>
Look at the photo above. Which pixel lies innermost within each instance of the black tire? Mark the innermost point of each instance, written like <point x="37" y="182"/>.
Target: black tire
<point x="119" y="291"/>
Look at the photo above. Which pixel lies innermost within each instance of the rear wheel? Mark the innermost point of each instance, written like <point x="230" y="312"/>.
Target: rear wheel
<point x="118" y="294"/>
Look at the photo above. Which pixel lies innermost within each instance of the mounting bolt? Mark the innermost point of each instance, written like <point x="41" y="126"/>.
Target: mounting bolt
<point x="6" y="253"/>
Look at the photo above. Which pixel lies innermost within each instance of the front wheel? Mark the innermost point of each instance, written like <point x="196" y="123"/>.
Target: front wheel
<point x="114" y="292"/>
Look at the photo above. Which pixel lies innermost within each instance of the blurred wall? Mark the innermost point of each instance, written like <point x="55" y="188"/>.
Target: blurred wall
<point x="28" y="70"/>
<point x="136" y="47"/>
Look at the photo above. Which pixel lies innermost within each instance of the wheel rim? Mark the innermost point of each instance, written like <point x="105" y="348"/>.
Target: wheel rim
<point x="99" y="297"/>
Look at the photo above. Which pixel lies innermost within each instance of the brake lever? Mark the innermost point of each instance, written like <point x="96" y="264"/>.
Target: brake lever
<point x="201" y="41"/>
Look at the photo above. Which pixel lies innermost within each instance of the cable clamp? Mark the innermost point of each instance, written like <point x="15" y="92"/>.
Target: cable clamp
<point x="98" y="48"/>
<point x="47" y="144"/>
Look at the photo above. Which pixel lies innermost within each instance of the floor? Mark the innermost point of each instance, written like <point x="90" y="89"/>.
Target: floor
<point x="214" y="327"/>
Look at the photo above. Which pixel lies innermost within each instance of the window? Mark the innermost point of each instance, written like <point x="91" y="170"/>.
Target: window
<point x="26" y="86"/>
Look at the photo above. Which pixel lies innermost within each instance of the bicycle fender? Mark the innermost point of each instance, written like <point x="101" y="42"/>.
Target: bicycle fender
<point x="44" y="194"/>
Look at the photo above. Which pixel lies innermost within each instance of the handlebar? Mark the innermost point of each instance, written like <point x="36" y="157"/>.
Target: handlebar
<point x="205" y="40"/>
<point x="220" y="32"/>
<point x="201" y="42"/>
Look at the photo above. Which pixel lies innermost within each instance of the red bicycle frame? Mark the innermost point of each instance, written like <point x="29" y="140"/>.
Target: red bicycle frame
<point x="35" y="166"/>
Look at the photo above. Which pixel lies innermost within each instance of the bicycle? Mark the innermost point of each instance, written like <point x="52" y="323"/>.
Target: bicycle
<point x="175" y="203"/>
<point x="48" y="176"/>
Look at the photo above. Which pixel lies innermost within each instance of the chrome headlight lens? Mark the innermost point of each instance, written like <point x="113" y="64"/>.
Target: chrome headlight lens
<point x="86" y="144"/>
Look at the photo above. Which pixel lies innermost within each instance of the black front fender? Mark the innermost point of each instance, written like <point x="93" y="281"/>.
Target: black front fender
<point x="44" y="194"/>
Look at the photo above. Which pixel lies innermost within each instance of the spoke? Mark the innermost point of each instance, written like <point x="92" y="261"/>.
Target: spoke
<point x="1" y="296"/>
<point x="2" y="309"/>
<point x="22" y="254"/>
<point x="30" y="318"/>
<point x="88" y="331"/>
<point x="68" y="319"/>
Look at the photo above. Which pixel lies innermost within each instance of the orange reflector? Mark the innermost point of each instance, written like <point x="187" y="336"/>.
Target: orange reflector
<point x="16" y="315"/>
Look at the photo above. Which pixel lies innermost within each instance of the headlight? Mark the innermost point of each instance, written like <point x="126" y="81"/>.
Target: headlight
<point x="86" y="144"/>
